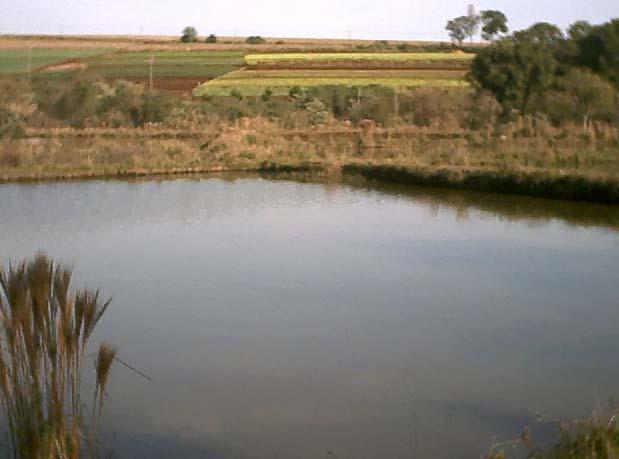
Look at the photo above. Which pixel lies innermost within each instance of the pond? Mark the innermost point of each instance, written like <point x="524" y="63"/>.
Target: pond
<point x="279" y="319"/>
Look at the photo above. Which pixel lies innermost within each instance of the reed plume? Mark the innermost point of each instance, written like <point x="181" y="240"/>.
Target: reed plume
<point x="44" y="335"/>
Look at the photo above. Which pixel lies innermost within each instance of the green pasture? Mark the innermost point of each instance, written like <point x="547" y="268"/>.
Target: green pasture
<point x="175" y="64"/>
<point x="16" y="60"/>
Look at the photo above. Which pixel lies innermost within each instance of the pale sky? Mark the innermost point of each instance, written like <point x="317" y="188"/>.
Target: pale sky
<point x="372" y="19"/>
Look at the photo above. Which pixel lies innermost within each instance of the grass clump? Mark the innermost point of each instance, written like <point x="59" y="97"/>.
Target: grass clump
<point x="590" y="439"/>
<point x="45" y="331"/>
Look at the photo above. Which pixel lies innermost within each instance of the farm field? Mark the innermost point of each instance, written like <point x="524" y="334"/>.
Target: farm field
<point x="167" y="64"/>
<point x="280" y="72"/>
<point x="280" y="83"/>
<point x="359" y="61"/>
<point x="15" y="60"/>
<point x="256" y="59"/>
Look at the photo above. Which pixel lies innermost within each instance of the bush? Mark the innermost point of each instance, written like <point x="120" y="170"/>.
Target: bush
<point x="75" y="104"/>
<point x="483" y="111"/>
<point x="211" y="39"/>
<point x="155" y="108"/>
<point x="266" y="95"/>
<point x="375" y="103"/>
<point x="317" y="111"/>
<point x="338" y="99"/>
<point x="11" y="125"/>
<point x="255" y="40"/>
<point x="427" y="106"/>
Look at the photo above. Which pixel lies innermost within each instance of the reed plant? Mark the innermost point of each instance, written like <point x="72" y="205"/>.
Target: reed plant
<point x="45" y="332"/>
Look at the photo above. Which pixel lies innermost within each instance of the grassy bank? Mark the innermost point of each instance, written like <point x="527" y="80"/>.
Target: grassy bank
<point x="555" y="165"/>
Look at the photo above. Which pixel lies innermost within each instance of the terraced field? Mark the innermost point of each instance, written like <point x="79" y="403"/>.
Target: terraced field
<point x="280" y="72"/>
<point x="255" y="59"/>
<point x="359" y="61"/>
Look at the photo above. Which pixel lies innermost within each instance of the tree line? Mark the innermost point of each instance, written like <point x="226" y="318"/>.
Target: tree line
<point x="562" y="77"/>
<point x="190" y="35"/>
<point x="492" y="22"/>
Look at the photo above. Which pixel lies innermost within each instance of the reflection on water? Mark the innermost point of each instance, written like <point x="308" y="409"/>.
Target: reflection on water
<point x="281" y="319"/>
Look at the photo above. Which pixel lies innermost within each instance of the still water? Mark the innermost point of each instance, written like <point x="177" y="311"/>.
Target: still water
<point x="289" y="320"/>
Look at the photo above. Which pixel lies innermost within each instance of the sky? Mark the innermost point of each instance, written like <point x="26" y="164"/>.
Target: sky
<point x="367" y="19"/>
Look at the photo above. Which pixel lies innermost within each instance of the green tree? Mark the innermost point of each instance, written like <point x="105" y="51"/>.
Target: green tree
<point x="190" y="35"/>
<point x="591" y="97"/>
<point x="494" y="22"/>
<point x="599" y="50"/>
<point x="457" y="29"/>
<point x="514" y="71"/>
<point x="579" y="30"/>
<point x="542" y="33"/>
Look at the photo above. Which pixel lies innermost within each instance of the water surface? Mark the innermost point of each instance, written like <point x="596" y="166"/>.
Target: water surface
<point x="289" y="320"/>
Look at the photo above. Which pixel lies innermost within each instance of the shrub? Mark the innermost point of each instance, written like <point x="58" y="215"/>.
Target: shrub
<point x="483" y="111"/>
<point x="255" y="40"/>
<point x="266" y="95"/>
<point x="154" y="108"/>
<point x="427" y="106"/>
<point x="318" y="112"/>
<point x="11" y="125"/>
<point x="75" y="102"/>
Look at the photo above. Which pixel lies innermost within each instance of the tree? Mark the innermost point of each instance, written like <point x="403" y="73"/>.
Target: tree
<point x="579" y="30"/>
<point x="494" y="22"/>
<point x="542" y="33"/>
<point x="599" y="50"/>
<point x="471" y="23"/>
<point x="514" y="71"/>
<point x="591" y="96"/>
<point x="255" y="40"/>
<point x="457" y="29"/>
<point x="190" y="35"/>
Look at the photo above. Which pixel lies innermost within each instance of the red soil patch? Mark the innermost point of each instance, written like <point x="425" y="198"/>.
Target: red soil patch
<point x="180" y="86"/>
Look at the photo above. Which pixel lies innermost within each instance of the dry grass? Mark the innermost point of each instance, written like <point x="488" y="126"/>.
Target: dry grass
<point x="256" y="144"/>
<point x="157" y="42"/>
<point x="45" y="330"/>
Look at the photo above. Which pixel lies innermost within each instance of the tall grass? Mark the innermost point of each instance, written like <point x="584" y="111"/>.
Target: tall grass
<point x="593" y="438"/>
<point x="45" y="330"/>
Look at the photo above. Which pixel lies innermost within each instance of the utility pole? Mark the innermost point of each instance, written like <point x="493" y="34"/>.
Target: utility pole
<point x="29" y="61"/>
<point x="396" y="103"/>
<point x="151" y="62"/>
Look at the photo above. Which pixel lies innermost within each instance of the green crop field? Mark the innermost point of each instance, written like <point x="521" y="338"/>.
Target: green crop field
<point x="262" y="59"/>
<point x="251" y="83"/>
<point x="16" y="60"/>
<point x="167" y="64"/>
<point x="357" y="74"/>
